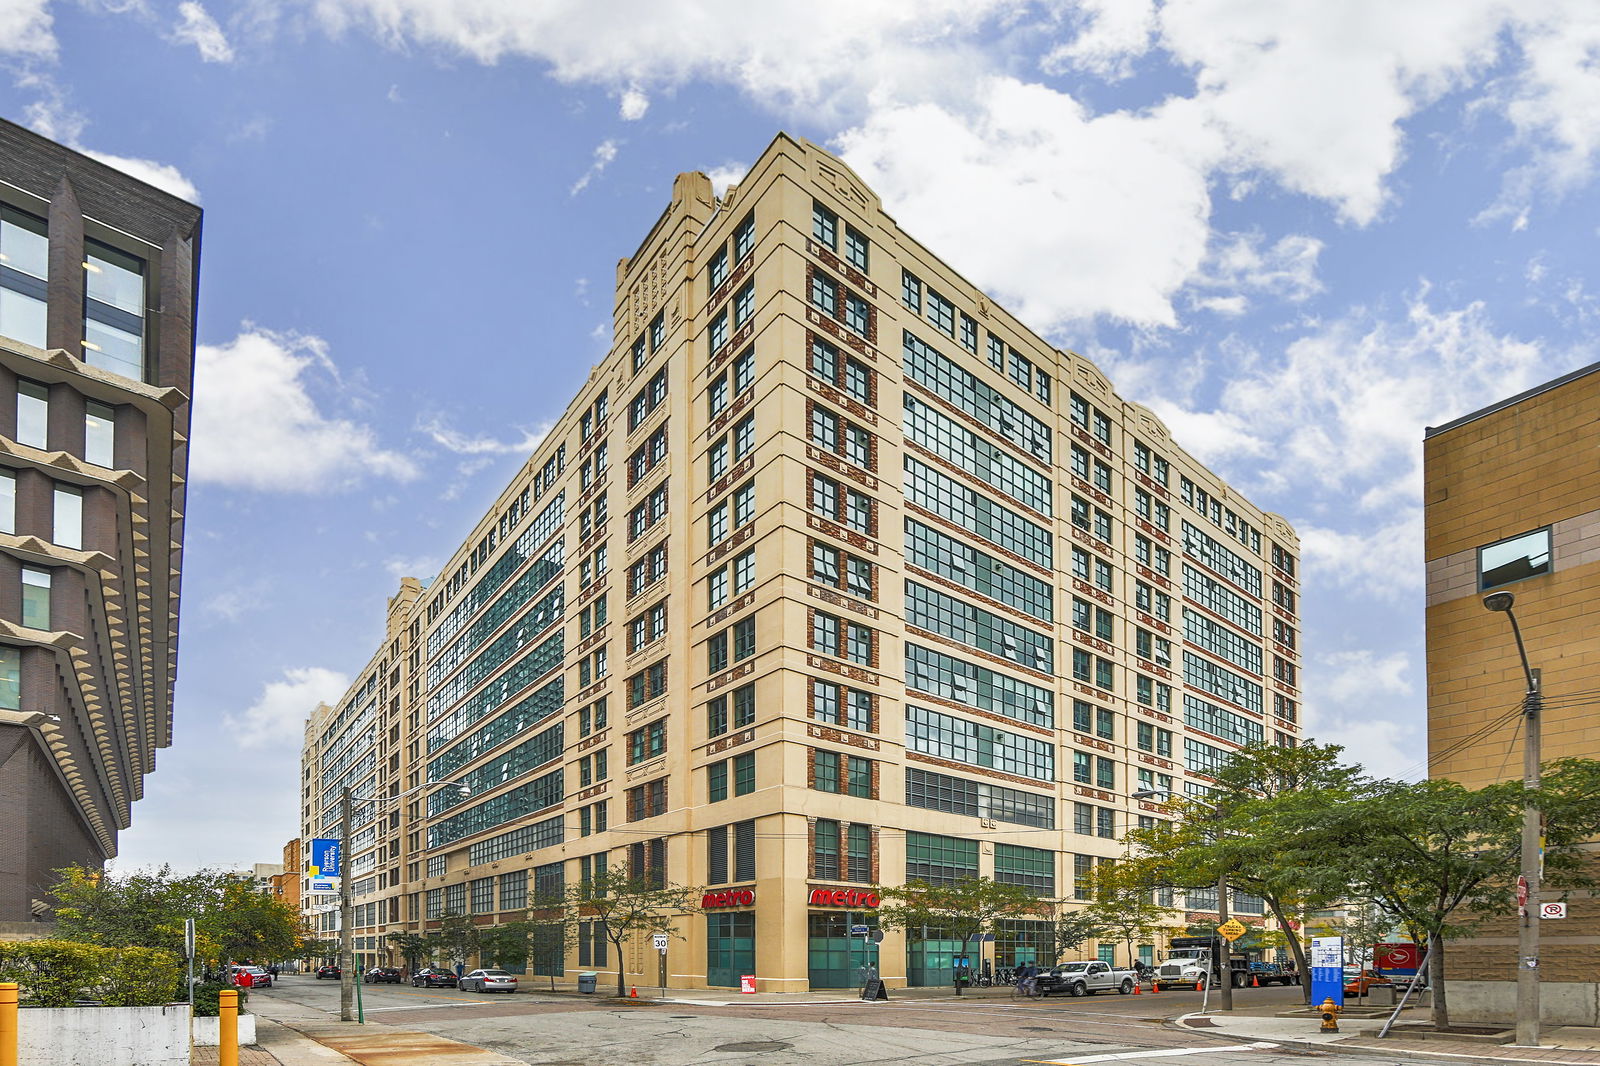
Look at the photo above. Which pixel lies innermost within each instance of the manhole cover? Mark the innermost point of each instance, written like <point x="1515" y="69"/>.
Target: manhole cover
<point x="756" y="1045"/>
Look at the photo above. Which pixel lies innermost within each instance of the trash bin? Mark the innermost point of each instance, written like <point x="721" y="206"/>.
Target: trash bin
<point x="586" y="982"/>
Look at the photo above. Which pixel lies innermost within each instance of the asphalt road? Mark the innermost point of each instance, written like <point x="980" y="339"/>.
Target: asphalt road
<point x="983" y="1030"/>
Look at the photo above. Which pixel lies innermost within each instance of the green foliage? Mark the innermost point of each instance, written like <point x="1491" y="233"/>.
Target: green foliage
<point x="964" y="910"/>
<point x="1075" y="927"/>
<point x="139" y="977"/>
<point x="626" y="907"/>
<point x="147" y="909"/>
<point x="1122" y="909"/>
<point x="206" y="1002"/>
<point x="507" y="945"/>
<point x="59" y="973"/>
<point x="413" y="947"/>
<point x="456" y="938"/>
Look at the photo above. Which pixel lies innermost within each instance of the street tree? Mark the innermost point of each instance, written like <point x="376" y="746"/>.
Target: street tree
<point x="1266" y="826"/>
<point x="1075" y="926"/>
<point x="507" y="945"/>
<point x="456" y="939"/>
<point x="413" y="948"/>
<point x="1443" y="858"/>
<point x="1124" y="909"/>
<point x="624" y="906"/>
<point x="961" y="910"/>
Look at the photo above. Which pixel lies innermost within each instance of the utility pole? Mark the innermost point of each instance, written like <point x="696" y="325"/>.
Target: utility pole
<point x="1224" y="960"/>
<point x="1528" y="885"/>
<point x="347" y="987"/>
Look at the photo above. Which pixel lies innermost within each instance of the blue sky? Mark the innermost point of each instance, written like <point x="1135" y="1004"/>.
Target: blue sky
<point x="1299" y="230"/>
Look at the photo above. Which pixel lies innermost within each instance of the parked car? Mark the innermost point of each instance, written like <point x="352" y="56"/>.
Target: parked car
<point x="329" y="971"/>
<point x="488" y="981"/>
<point x="433" y="977"/>
<point x="382" y="975"/>
<point x="259" y="977"/>
<point x="1085" y="979"/>
<point x="1358" y="980"/>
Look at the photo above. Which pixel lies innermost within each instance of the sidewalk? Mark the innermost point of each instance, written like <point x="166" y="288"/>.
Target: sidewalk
<point x="1571" y="1045"/>
<point x="293" y="1035"/>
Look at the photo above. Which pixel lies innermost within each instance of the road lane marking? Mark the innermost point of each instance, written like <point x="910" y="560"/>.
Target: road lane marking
<point x="1160" y="1053"/>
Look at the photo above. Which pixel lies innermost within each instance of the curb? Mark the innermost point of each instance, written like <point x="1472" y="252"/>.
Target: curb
<point x="1385" y="1047"/>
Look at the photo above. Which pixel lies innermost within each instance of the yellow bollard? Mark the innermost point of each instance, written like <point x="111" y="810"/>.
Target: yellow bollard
<point x="8" y="1023"/>
<point x="228" y="1036"/>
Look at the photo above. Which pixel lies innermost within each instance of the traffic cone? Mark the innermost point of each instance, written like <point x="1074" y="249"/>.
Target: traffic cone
<point x="1199" y="986"/>
<point x="1155" y="986"/>
<point x="1136" y="989"/>
<point x="633" y="993"/>
<point x="1255" y="982"/>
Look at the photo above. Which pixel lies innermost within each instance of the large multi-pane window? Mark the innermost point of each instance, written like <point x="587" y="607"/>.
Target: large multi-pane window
<point x="1220" y="722"/>
<point x="1215" y="596"/>
<point x="848" y="374"/>
<point x="1207" y="676"/>
<point x="972" y="685"/>
<point x="846" y="640"/>
<point x="928" y="608"/>
<point x="977" y="570"/>
<point x="977" y="799"/>
<point x="647" y="399"/>
<point x="1154" y="739"/>
<point x="733" y="579"/>
<point x="1032" y="868"/>
<point x="647" y="742"/>
<point x="929" y="428"/>
<point x="647" y="684"/>
<point x="1213" y="553"/>
<point x="841" y="437"/>
<point x="842" y="570"/>
<point x="948" y="737"/>
<point x="842" y="851"/>
<point x="113" y="310"/>
<point x="940" y="860"/>
<point x="853" y="509"/>
<point x="24" y="268"/>
<point x="1202" y="758"/>
<point x="927" y="367"/>
<point x="976" y="513"/>
<point x="1219" y="640"/>
<point x="850" y="775"/>
<point x="840" y="705"/>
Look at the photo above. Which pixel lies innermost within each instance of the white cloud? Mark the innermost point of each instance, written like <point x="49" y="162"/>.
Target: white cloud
<point x="1112" y="34"/>
<point x="257" y="425"/>
<point x="1359" y="694"/>
<point x="633" y="105"/>
<point x="1102" y="215"/>
<point x="161" y="175"/>
<point x="460" y="443"/>
<point x="197" y="27"/>
<point x="422" y="567"/>
<point x="26" y="29"/>
<point x="725" y="175"/>
<point x="604" y="153"/>
<point x="278" y="716"/>
<point x="1244" y="262"/>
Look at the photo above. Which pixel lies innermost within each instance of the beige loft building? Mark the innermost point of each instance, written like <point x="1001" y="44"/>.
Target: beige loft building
<point x="1512" y="500"/>
<point x="833" y="574"/>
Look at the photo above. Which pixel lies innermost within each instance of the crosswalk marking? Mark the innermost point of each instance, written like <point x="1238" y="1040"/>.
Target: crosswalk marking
<point x="1157" y="1053"/>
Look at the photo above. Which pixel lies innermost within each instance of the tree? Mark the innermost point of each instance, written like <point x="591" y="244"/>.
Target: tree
<point x="147" y="908"/>
<point x="1266" y="826"/>
<point x="1122" y="909"/>
<point x="456" y="938"/>
<point x="625" y="906"/>
<point x="507" y="945"/>
<point x="1442" y="858"/>
<point x="1075" y="927"/>
<point x="413" y="947"/>
<point x="961" y="910"/>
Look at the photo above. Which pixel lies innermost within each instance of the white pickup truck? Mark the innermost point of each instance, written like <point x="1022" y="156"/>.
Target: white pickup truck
<point x="1085" y="979"/>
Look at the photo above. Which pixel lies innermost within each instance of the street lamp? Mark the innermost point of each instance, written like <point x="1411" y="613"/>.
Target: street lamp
<point x="1224" y="964"/>
<point x="347" y="987"/>
<point x="1532" y="844"/>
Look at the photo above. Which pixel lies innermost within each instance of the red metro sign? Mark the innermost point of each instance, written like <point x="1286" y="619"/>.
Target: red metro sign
<point x="842" y="897"/>
<point x="731" y="897"/>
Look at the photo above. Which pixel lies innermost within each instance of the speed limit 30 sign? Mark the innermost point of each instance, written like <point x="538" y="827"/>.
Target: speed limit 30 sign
<point x="1552" y="910"/>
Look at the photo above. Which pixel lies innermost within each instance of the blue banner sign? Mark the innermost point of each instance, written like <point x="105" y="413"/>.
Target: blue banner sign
<point x="1327" y="970"/>
<point x="324" y="858"/>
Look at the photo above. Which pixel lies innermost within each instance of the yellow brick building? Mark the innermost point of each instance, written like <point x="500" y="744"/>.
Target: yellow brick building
<point x="832" y="574"/>
<point x="1512" y="498"/>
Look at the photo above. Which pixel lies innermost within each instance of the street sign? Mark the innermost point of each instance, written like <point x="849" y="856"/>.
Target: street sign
<point x="1398" y="958"/>
<point x="188" y="938"/>
<point x="323" y="884"/>
<point x="324" y="858"/>
<point x="661" y="942"/>
<point x="1233" y="929"/>
<point x="877" y="936"/>
<point x="1552" y="910"/>
<point x="860" y="930"/>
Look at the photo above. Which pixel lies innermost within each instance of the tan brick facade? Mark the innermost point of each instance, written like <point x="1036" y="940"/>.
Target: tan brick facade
<point x="1518" y="466"/>
<point x="822" y="693"/>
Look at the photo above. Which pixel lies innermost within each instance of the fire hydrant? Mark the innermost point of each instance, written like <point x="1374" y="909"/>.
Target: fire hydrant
<point x="1330" y="1015"/>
